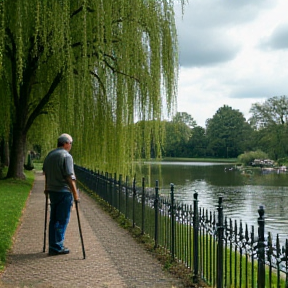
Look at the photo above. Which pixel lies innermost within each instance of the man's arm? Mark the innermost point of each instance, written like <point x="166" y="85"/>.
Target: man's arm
<point x="45" y="190"/>
<point x="72" y="185"/>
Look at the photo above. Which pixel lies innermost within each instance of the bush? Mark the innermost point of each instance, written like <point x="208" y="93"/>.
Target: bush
<point x="283" y="161"/>
<point x="248" y="157"/>
<point x="29" y="165"/>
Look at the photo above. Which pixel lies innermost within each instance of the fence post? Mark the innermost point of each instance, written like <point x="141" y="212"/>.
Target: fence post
<point x="105" y="185"/>
<point x="133" y="203"/>
<point x="143" y="206"/>
<point x="156" y="214"/>
<point x="261" y="248"/>
<point x="252" y="237"/>
<point x="220" y="234"/>
<point x="172" y="222"/>
<point x="126" y="197"/>
<point x="110" y="187"/>
<point x="120" y="193"/>
<point x="195" y="238"/>
<point x="286" y="254"/>
<point x="115" y="192"/>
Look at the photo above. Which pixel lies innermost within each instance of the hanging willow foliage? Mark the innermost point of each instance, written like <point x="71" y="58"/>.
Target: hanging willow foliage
<point x="91" y="68"/>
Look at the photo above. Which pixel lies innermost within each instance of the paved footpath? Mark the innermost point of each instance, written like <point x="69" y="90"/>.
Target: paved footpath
<point x="113" y="258"/>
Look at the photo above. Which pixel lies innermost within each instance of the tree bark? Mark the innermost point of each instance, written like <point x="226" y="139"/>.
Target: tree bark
<point x="6" y="153"/>
<point x="17" y="154"/>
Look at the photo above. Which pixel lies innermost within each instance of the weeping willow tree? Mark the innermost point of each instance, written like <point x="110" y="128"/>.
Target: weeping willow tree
<point x="91" y="68"/>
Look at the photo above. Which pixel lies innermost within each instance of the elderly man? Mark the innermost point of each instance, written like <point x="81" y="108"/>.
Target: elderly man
<point x="60" y="184"/>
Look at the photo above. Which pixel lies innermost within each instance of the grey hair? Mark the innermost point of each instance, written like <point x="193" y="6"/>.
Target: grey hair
<point x="64" y="138"/>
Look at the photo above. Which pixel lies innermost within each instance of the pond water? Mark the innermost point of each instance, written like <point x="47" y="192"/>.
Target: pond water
<point x="242" y="193"/>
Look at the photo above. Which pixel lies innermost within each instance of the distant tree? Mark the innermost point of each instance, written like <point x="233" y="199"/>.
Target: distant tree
<point x="273" y="111"/>
<point x="176" y="139"/>
<point x="227" y="133"/>
<point x="273" y="140"/>
<point x="270" y="120"/>
<point x="197" y="144"/>
<point x="178" y="132"/>
<point x="184" y="117"/>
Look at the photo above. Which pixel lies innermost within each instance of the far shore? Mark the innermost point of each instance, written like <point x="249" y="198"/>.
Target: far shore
<point x="216" y="160"/>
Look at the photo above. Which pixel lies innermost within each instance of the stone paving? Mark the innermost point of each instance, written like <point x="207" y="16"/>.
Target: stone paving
<point x="113" y="257"/>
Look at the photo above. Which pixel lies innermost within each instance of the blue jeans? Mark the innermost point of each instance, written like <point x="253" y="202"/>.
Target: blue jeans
<point x="61" y="203"/>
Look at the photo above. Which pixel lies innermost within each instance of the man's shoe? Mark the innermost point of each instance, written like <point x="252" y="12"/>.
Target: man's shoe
<point x="53" y="252"/>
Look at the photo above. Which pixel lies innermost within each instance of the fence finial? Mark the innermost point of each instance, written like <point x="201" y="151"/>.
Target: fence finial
<point x="261" y="248"/>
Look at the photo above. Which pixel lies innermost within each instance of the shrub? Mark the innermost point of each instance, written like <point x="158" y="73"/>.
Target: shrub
<point x="29" y="165"/>
<point x="283" y="161"/>
<point x="249" y="157"/>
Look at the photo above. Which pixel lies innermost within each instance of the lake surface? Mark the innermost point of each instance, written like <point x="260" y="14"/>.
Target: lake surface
<point x="242" y="194"/>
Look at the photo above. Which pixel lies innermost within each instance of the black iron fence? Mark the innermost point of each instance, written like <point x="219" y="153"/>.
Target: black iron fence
<point x="222" y="252"/>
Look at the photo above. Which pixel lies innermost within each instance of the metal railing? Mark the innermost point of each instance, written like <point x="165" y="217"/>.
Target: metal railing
<point x="218" y="250"/>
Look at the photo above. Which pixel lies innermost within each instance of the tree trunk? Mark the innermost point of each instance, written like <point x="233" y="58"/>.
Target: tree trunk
<point x="2" y="153"/>
<point x="6" y="153"/>
<point x="17" y="154"/>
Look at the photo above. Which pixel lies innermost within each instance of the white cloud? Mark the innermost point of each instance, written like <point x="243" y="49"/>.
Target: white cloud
<point x="278" y="39"/>
<point x="231" y="53"/>
<point x="202" y="48"/>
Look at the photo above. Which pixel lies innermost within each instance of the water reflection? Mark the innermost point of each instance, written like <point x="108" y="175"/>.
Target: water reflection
<point x="242" y="194"/>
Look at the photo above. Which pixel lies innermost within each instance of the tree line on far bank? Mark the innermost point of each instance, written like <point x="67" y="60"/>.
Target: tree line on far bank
<point x="228" y="134"/>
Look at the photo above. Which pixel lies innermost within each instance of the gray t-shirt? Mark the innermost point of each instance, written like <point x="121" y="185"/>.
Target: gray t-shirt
<point x="58" y="165"/>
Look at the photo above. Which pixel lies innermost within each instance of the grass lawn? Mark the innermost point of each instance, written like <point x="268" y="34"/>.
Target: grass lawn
<point x="13" y="196"/>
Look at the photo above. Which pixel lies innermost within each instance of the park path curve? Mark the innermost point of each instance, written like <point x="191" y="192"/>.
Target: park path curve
<point x="113" y="257"/>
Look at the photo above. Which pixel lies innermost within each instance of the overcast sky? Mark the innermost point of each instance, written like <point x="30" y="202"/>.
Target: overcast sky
<point x="232" y="52"/>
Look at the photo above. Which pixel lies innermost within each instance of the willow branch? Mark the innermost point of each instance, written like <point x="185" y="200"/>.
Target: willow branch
<point x="80" y="9"/>
<point x="114" y="70"/>
<point x="11" y="52"/>
<point x="99" y="80"/>
<point x="39" y="108"/>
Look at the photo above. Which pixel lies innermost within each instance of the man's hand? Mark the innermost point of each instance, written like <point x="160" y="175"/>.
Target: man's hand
<point x="77" y="200"/>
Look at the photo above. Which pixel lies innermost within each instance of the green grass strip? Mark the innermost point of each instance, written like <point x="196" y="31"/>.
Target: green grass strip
<point x="13" y="196"/>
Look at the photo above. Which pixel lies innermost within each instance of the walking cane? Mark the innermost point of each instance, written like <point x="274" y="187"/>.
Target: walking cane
<point x="45" y="224"/>
<point x="80" y="231"/>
